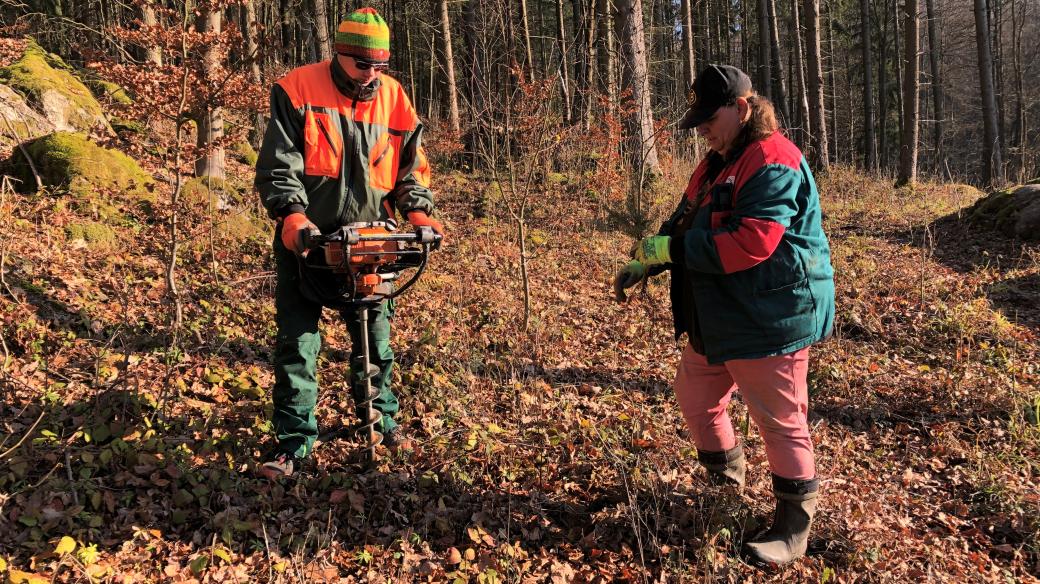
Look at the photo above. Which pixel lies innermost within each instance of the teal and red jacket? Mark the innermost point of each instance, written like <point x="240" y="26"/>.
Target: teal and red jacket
<point x="751" y="271"/>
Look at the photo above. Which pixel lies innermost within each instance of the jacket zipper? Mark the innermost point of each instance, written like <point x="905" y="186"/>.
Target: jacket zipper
<point x="328" y="136"/>
<point x="380" y="157"/>
<point x="347" y="180"/>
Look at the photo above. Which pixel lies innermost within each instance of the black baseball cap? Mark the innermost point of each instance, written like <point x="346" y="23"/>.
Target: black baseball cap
<point x="714" y="87"/>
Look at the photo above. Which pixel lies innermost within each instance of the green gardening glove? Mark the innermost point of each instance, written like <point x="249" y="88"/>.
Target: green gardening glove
<point x="653" y="251"/>
<point x="628" y="276"/>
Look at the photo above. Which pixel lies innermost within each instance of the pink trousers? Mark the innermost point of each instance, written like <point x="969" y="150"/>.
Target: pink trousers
<point x="775" y="391"/>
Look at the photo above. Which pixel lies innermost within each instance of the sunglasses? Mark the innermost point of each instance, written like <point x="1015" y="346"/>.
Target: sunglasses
<point x="365" y="65"/>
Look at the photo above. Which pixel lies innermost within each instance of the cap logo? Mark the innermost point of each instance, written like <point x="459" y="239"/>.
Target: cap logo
<point x="691" y="98"/>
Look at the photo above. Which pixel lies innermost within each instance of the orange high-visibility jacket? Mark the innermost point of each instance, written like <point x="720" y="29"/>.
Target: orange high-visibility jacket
<point x="341" y="154"/>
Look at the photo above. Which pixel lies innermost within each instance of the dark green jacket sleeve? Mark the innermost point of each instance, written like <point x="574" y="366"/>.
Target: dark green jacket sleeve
<point x="412" y="189"/>
<point x="279" y="166"/>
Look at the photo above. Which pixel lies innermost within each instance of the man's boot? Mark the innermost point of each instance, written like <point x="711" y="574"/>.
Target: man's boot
<point x="788" y="538"/>
<point x="725" y="467"/>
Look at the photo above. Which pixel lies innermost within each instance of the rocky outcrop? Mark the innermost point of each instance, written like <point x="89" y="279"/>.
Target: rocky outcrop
<point x="1014" y="211"/>
<point x="96" y="179"/>
<point x="50" y="87"/>
<point x="18" y="121"/>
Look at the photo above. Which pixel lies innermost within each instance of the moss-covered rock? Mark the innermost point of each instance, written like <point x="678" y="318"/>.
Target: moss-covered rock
<point x="1014" y="211"/>
<point x="97" y="235"/>
<point x="27" y="123"/>
<point x="51" y="87"/>
<point x="107" y="90"/>
<point x="221" y="205"/>
<point x="123" y="126"/>
<point x="205" y="194"/>
<point x="245" y="153"/>
<point x="95" y="177"/>
<point x="556" y="178"/>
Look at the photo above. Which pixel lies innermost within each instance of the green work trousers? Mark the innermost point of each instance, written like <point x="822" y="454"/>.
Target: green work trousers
<point x="296" y="354"/>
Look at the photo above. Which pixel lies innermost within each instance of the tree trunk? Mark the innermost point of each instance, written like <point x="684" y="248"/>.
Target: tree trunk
<point x="705" y="37"/>
<point x="153" y="54"/>
<point x="431" y="78"/>
<point x="210" y="121"/>
<point x="409" y="60"/>
<point x="997" y="19"/>
<point x="1018" y="20"/>
<point x="869" y="139"/>
<point x="716" y="28"/>
<point x="526" y="31"/>
<point x="803" y="90"/>
<point x="728" y="15"/>
<point x="249" y="31"/>
<point x="817" y="142"/>
<point x="745" y="38"/>
<point x="883" y="94"/>
<point x="449" y="70"/>
<point x="911" y="89"/>
<point x="321" y="30"/>
<point x="584" y="63"/>
<point x="934" y="51"/>
<point x="473" y="16"/>
<point x="830" y="68"/>
<point x="565" y="81"/>
<point x="607" y="62"/>
<point x="898" y="60"/>
<point x="777" y="65"/>
<point x="286" y="29"/>
<point x="689" y="58"/>
<point x="635" y="78"/>
<point x="765" y="76"/>
<point x="993" y="165"/>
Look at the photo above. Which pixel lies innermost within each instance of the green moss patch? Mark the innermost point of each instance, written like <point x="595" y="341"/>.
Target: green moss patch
<point x="108" y="90"/>
<point x="96" y="178"/>
<point x="245" y="153"/>
<point x="121" y="125"/>
<point x="97" y="235"/>
<point x="38" y="72"/>
<point x="221" y="204"/>
<point x="203" y="194"/>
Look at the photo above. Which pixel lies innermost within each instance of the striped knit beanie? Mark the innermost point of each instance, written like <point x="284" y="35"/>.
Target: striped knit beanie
<point x="364" y="35"/>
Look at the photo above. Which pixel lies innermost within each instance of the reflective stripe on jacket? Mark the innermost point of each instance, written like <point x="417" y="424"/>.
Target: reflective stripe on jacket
<point x="339" y="158"/>
<point x="752" y="275"/>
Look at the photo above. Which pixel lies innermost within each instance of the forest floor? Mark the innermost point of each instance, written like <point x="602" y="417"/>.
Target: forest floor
<point x="556" y="454"/>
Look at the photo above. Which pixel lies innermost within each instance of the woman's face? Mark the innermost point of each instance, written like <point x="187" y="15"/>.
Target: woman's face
<point x="722" y="129"/>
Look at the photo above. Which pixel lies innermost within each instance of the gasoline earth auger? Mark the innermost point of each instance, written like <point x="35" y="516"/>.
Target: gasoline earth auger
<point x="355" y="268"/>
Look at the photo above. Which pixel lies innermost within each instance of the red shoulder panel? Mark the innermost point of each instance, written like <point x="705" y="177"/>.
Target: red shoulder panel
<point x="776" y="149"/>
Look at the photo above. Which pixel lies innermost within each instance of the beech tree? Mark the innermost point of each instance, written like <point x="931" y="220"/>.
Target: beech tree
<point x="911" y="91"/>
<point x="993" y="165"/>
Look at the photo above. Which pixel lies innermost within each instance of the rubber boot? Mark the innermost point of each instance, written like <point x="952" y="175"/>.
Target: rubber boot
<point x="724" y="467"/>
<point x="788" y="537"/>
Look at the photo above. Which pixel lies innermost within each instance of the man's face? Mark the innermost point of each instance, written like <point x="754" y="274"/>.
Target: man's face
<point x="360" y="71"/>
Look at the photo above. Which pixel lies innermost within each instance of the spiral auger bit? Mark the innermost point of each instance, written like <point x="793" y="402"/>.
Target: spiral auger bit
<point x="353" y="269"/>
<point x="364" y="371"/>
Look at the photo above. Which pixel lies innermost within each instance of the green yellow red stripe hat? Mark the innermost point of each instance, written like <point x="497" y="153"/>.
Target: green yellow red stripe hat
<point x="364" y="35"/>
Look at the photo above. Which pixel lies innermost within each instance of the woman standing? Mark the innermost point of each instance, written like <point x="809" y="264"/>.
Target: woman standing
<point x="752" y="287"/>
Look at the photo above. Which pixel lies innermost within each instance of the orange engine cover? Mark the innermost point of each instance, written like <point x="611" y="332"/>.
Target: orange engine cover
<point x="365" y="253"/>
